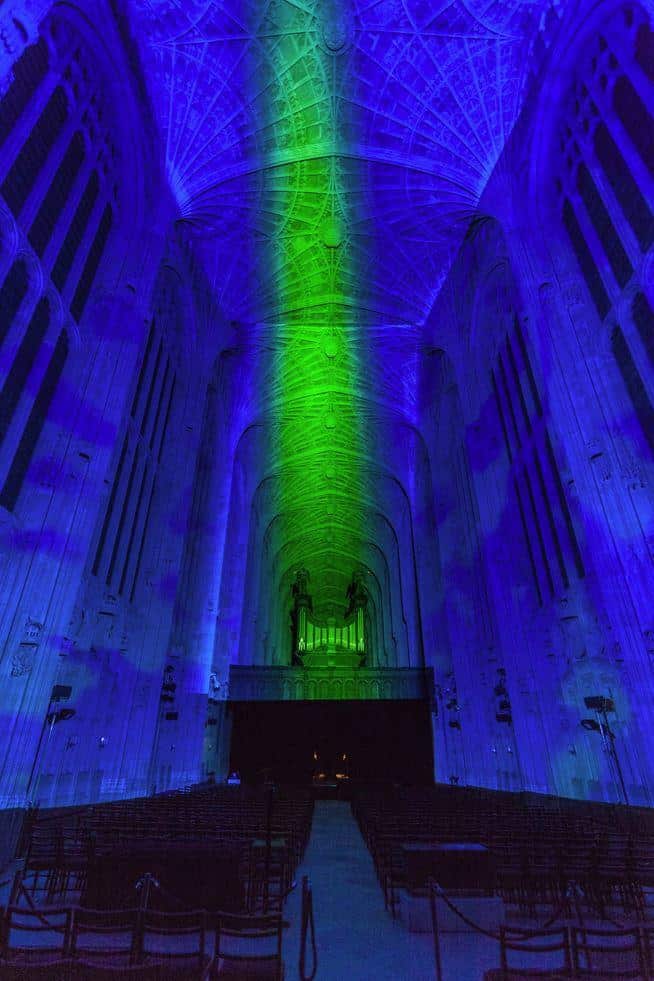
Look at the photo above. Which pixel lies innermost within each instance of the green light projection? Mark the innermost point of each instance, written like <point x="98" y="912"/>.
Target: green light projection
<point x="317" y="450"/>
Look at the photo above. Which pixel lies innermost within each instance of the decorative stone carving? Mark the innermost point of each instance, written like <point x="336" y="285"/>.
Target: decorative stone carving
<point x="273" y="684"/>
<point x="32" y="631"/>
<point x="18" y="28"/>
<point x="23" y="660"/>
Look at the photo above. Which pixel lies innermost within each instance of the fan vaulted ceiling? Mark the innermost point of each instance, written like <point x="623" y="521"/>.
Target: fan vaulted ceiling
<point x="326" y="157"/>
<point x="412" y="100"/>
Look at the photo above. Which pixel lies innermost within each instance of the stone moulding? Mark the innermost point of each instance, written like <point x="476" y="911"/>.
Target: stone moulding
<point x="280" y="684"/>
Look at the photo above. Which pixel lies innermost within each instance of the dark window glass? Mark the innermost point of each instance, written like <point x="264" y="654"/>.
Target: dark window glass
<point x="565" y="510"/>
<point x="634" y="384"/>
<point x="22" y="364"/>
<point x="530" y="553"/>
<point x="500" y="412"/>
<point x="75" y="233"/>
<point x="35" y="150"/>
<point x="110" y="509"/>
<point x="144" y="367"/>
<point x="36" y="421"/>
<point x="153" y="380"/>
<point x="144" y="534"/>
<point x="509" y="400"/>
<point x="635" y="118"/>
<point x="135" y="520"/>
<point x="625" y="188"/>
<point x="12" y="294"/>
<point x="550" y="520"/>
<point x="123" y="516"/>
<point x="530" y="373"/>
<point x="645" y="50"/>
<point x="539" y="531"/>
<point x="57" y="195"/>
<point x="29" y="71"/>
<point x="160" y="401"/>
<point x="166" y="421"/>
<point x="618" y="258"/>
<point x="93" y="260"/>
<point x="585" y="260"/>
<point x="643" y="316"/>
<point x="517" y="384"/>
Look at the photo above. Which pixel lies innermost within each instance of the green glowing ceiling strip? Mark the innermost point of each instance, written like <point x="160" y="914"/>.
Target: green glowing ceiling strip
<point x="318" y="433"/>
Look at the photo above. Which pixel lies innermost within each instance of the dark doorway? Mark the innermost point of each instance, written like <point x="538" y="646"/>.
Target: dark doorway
<point x="382" y="741"/>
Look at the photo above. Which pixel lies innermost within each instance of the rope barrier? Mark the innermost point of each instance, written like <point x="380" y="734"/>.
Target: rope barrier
<point x="573" y="891"/>
<point x="148" y="881"/>
<point x="434" y="886"/>
<point x="308" y="923"/>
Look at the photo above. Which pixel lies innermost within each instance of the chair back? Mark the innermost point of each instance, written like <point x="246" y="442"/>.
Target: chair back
<point x="36" y="932"/>
<point x="618" y="954"/>
<point x="546" y="951"/>
<point x="248" y="945"/>
<point x="105" y="936"/>
<point x="176" y="938"/>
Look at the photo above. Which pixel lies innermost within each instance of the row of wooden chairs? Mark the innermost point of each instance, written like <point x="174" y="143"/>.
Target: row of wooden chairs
<point x="575" y="952"/>
<point x="62" y="942"/>
<point x="191" y="811"/>
<point x="61" y="846"/>
<point x="538" y="847"/>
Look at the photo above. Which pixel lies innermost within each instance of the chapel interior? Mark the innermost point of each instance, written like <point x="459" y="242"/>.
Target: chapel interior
<point x="327" y="488"/>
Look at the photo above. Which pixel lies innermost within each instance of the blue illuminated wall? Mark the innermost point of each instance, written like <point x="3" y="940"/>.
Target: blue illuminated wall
<point x="394" y="259"/>
<point x="545" y="534"/>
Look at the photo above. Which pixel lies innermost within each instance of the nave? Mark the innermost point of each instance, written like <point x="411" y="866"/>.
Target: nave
<point x="266" y="881"/>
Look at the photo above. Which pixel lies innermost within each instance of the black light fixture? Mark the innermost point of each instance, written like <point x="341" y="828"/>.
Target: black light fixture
<point x="58" y="694"/>
<point x="592" y="725"/>
<point x="602" y="705"/>
<point x="61" y="716"/>
<point x="599" y="703"/>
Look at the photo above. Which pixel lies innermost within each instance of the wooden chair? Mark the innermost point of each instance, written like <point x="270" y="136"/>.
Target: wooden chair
<point x="35" y="935"/>
<point x="249" y="947"/>
<point x="273" y="886"/>
<point x="104" y="937"/>
<point x="46" y="970"/>
<point x="535" y="954"/>
<point x="608" y="954"/>
<point x="76" y="970"/>
<point x="174" y="943"/>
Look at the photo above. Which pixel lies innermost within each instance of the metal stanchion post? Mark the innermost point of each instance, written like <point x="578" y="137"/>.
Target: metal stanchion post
<point x="434" y="925"/>
<point x="49" y="715"/>
<point x="307" y="924"/>
<point x="266" y="882"/>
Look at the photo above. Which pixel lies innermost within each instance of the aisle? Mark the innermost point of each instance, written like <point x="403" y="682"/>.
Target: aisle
<point x="357" y="939"/>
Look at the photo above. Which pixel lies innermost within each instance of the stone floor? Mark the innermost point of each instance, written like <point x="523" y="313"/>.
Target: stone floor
<point x="356" y="937"/>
